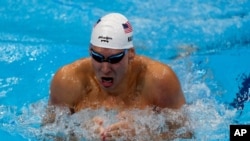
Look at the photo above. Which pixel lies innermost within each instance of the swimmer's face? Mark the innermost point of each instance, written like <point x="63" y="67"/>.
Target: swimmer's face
<point x="110" y="66"/>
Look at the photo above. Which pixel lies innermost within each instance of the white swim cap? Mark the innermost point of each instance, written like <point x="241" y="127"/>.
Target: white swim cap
<point x="112" y="31"/>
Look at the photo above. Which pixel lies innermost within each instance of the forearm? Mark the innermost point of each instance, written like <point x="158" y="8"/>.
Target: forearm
<point x="171" y="135"/>
<point x="49" y="116"/>
<point x="52" y="112"/>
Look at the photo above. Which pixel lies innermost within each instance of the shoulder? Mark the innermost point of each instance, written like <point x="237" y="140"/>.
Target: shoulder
<point x="164" y="85"/>
<point x="155" y="69"/>
<point x="67" y="83"/>
<point x="74" y="71"/>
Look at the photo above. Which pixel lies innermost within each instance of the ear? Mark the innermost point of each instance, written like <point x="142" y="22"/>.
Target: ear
<point x="131" y="54"/>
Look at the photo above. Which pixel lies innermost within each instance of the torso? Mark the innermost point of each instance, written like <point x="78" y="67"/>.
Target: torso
<point x="135" y="97"/>
<point x="142" y="91"/>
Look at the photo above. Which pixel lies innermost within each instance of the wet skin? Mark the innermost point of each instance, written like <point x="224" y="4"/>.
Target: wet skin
<point x="134" y="82"/>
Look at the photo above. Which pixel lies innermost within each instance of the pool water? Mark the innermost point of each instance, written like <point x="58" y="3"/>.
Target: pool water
<point x="207" y="43"/>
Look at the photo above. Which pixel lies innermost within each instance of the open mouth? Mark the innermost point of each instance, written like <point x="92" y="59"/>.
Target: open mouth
<point x="107" y="81"/>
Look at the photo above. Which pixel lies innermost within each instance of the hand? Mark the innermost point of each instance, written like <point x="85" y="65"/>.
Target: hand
<point x="98" y="123"/>
<point x="122" y="130"/>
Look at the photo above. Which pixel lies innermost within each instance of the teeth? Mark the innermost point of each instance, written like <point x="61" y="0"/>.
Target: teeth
<point x="107" y="79"/>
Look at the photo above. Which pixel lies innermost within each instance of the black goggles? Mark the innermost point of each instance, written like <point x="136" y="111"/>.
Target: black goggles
<point x="113" y="59"/>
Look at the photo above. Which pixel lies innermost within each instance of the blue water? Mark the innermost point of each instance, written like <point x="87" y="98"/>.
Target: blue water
<point x="207" y="43"/>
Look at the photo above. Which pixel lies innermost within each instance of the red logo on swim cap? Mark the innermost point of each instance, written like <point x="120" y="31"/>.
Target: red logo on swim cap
<point x="127" y="27"/>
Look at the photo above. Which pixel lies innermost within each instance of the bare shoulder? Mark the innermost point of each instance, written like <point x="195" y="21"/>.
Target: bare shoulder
<point x="68" y="82"/>
<point x="163" y="84"/>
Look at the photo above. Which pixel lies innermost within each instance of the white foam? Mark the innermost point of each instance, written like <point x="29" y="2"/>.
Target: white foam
<point x="6" y="85"/>
<point x="15" y="47"/>
<point x="82" y="125"/>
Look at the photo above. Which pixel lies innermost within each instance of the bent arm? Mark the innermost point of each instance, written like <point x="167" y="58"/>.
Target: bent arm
<point x="171" y="97"/>
<point x="64" y="93"/>
<point x="167" y="91"/>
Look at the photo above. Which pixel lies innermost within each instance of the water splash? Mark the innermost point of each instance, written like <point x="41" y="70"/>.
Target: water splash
<point x="7" y="84"/>
<point x="204" y="115"/>
<point x="209" y="27"/>
<point x="81" y="125"/>
<point x="14" y="48"/>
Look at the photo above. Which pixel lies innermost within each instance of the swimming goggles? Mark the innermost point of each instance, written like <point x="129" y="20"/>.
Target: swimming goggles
<point x="113" y="59"/>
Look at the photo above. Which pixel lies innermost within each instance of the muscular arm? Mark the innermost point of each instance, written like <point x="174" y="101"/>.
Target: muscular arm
<point x="66" y="91"/>
<point x="174" y="98"/>
<point x="162" y="86"/>
<point x="63" y="93"/>
<point x="65" y="88"/>
<point x="167" y="93"/>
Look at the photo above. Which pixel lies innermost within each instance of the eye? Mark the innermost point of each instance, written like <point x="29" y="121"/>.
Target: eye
<point x="96" y="56"/>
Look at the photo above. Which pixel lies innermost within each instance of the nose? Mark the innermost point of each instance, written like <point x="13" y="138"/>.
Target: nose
<point x="105" y="67"/>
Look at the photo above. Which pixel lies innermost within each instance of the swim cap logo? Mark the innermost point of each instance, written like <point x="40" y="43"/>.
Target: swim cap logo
<point x="105" y="39"/>
<point x="130" y="38"/>
<point x="127" y="27"/>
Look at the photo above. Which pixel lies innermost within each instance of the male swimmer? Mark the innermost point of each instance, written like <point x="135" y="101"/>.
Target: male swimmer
<point x="115" y="77"/>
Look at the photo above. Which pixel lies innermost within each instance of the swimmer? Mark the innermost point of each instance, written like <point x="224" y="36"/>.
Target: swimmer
<point x="115" y="77"/>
